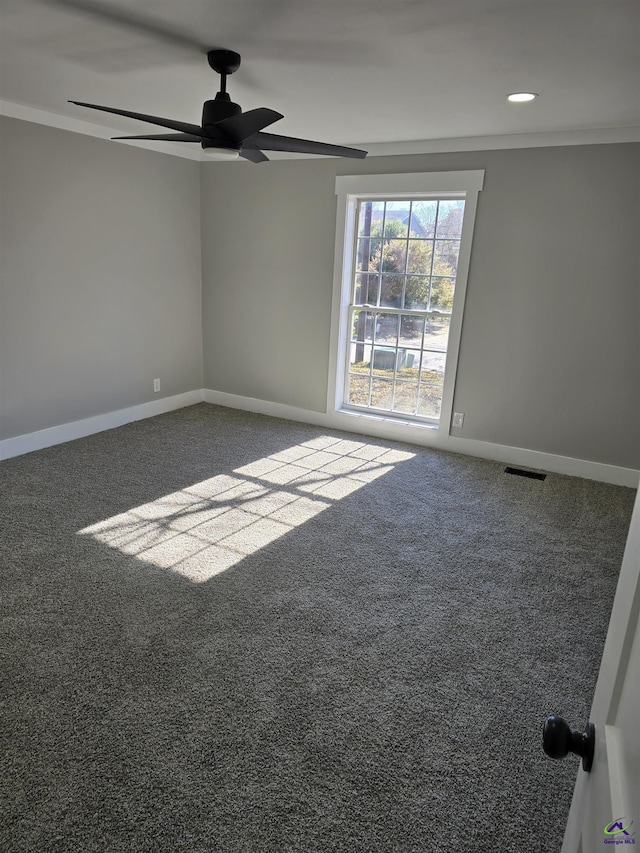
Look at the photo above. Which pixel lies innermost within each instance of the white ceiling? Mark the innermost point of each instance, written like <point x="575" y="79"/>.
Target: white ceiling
<point x="350" y="72"/>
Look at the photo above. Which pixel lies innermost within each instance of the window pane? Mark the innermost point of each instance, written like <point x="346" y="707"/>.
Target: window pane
<point x="381" y="393"/>
<point x="387" y="328"/>
<point x="420" y="254"/>
<point x="405" y="397"/>
<point x="411" y="329"/>
<point x="433" y="367"/>
<point x="394" y="256"/>
<point x="387" y="359"/>
<point x="450" y="216"/>
<point x="417" y="292"/>
<point x="370" y="213"/>
<point x="411" y="363"/>
<point x="358" y="390"/>
<point x="430" y="400"/>
<point x="445" y="259"/>
<point x="368" y="257"/>
<point x="396" y="222"/>
<point x="423" y="218"/>
<point x="360" y="356"/>
<point x="366" y="289"/>
<point x="436" y="334"/>
<point x="391" y="291"/>
<point x="362" y="328"/>
<point x="442" y="290"/>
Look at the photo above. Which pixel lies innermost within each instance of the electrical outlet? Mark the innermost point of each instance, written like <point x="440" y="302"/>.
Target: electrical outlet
<point x="458" y="419"/>
<point x="156" y="384"/>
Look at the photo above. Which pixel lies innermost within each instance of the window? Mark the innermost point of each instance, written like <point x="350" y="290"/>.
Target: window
<point x="400" y="292"/>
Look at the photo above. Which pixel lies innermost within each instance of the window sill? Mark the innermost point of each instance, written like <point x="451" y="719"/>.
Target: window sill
<point x="390" y="422"/>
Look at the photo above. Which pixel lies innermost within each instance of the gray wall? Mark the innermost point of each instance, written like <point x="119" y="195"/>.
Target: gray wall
<point x="268" y="235"/>
<point x="100" y="276"/>
<point x="549" y="357"/>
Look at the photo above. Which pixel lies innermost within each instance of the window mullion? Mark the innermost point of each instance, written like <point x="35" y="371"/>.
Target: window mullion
<point x="424" y="330"/>
<point x="380" y="263"/>
<point x="403" y="295"/>
<point x="433" y="253"/>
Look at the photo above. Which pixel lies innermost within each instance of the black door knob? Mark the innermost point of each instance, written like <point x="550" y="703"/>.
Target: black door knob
<point x="558" y="740"/>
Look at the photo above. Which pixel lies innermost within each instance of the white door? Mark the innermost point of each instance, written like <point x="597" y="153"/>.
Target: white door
<point x="605" y="811"/>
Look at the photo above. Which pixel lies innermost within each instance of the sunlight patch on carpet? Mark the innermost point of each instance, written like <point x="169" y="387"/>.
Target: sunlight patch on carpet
<point x="208" y="527"/>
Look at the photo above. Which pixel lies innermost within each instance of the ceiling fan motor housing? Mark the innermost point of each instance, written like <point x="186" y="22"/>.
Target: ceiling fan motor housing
<point x="214" y="111"/>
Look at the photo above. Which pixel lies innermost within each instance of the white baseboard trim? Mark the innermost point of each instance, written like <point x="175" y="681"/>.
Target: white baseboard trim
<point x="79" y="429"/>
<point x="350" y="422"/>
<point x="430" y="437"/>
<point x="549" y="462"/>
<point x="265" y="407"/>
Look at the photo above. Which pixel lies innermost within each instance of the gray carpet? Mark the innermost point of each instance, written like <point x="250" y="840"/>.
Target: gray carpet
<point x="227" y="632"/>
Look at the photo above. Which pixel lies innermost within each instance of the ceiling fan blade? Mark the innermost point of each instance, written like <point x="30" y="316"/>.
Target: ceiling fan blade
<point x="243" y="126"/>
<point x="254" y="155"/>
<point x="273" y="142"/>
<point x="134" y="22"/>
<point x="182" y="126"/>
<point x="169" y="137"/>
<point x="243" y="21"/>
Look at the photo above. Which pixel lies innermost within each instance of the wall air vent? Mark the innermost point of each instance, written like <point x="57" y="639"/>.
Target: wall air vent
<point x="520" y="472"/>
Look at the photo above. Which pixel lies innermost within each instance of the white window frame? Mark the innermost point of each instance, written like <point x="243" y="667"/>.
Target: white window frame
<point x="350" y="189"/>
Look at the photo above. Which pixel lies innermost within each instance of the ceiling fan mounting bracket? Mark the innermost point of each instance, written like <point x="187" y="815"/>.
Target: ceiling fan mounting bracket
<point x="224" y="61"/>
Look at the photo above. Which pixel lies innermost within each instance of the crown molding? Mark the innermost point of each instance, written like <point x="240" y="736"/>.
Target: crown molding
<point x="585" y="136"/>
<point x="546" y="139"/>
<point x="76" y="125"/>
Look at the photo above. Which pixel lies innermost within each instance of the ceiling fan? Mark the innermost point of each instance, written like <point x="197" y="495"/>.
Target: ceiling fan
<point x="226" y="132"/>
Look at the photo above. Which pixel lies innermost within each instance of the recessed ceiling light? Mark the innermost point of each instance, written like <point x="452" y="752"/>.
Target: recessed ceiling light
<point x="521" y="97"/>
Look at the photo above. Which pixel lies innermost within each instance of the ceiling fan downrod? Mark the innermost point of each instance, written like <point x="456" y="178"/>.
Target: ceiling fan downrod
<point x="223" y="62"/>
